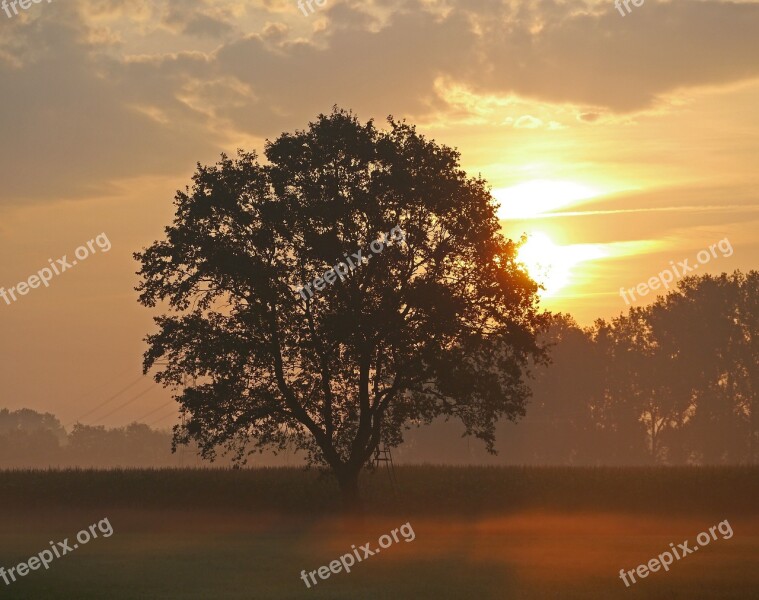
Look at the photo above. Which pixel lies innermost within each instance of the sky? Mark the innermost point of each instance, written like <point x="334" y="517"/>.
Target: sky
<point x="620" y="144"/>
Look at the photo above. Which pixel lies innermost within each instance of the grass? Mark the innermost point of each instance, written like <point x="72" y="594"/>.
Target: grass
<point x="529" y="533"/>
<point x="447" y="490"/>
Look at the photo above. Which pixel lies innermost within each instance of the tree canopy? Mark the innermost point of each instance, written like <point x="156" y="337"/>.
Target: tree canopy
<point x="442" y="323"/>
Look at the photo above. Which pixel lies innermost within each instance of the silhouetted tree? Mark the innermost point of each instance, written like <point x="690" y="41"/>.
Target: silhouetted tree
<point x="29" y="438"/>
<point x="441" y="324"/>
<point x="747" y="363"/>
<point x="640" y="401"/>
<point x="709" y="327"/>
<point x="674" y="382"/>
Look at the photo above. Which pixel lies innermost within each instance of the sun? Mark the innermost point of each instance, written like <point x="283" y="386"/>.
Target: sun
<point x="552" y="265"/>
<point x="544" y="263"/>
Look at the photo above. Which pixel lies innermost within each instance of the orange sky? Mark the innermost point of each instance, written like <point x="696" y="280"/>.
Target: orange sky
<point x="628" y="142"/>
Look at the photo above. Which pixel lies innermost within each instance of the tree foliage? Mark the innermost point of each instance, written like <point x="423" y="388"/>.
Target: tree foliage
<point x="440" y="324"/>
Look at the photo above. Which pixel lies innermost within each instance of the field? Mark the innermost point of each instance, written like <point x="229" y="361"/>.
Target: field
<point x="478" y="533"/>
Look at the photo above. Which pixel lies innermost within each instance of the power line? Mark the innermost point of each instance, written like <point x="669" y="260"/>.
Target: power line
<point x="106" y="384"/>
<point x="132" y="384"/>
<point x="155" y="411"/>
<point x="127" y="403"/>
<point x="162" y="419"/>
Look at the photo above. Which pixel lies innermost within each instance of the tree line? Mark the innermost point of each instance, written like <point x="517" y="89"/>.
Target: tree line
<point x="675" y="382"/>
<point x="29" y="439"/>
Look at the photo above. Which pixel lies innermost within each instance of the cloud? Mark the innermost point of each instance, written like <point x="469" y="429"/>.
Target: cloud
<point x="95" y="91"/>
<point x="597" y="58"/>
<point x="528" y="122"/>
<point x="195" y="21"/>
<point x="589" y="117"/>
<point x="546" y="51"/>
<point x="74" y="119"/>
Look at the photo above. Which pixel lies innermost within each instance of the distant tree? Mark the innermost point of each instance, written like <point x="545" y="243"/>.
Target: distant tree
<point x="747" y="362"/>
<point x="28" y="420"/>
<point x="135" y="445"/>
<point x="642" y="396"/>
<point x="29" y="438"/>
<point x="441" y="324"/>
<point x="559" y="428"/>
<point x="709" y="329"/>
<point x="94" y="446"/>
<point x="681" y="376"/>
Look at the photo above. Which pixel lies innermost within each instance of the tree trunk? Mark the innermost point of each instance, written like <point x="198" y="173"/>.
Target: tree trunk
<point x="351" y="499"/>
<point x="753" y="429"/>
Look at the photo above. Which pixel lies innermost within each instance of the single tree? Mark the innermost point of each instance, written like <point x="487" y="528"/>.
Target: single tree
<point x="441" y="322"/>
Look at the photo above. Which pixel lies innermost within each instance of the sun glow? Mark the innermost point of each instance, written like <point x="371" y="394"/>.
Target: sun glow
<point x="533" y="198"/>
<point x="552" y="265"/>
